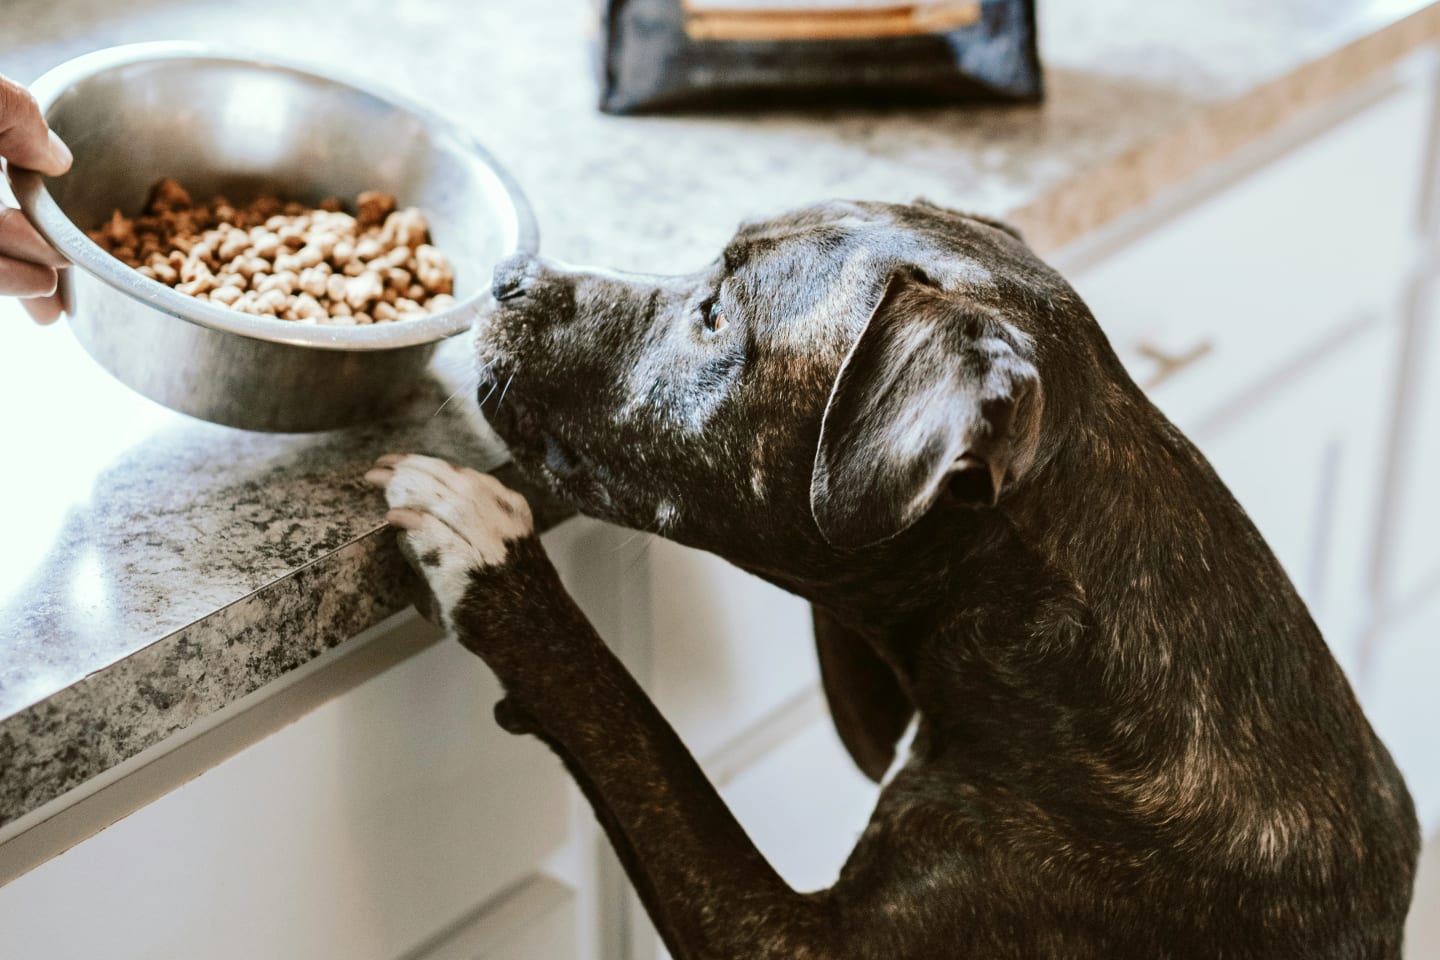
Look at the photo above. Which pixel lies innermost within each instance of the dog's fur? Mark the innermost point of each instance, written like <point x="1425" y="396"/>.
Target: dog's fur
<point x="1132" y="741"/>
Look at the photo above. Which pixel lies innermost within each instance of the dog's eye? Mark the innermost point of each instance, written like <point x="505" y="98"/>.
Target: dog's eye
<point x="713" y="315"/>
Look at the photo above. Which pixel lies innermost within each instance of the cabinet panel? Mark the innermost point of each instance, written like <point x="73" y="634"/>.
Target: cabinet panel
<point x="1399" y="692"/>
<point x="535" y="921"/>
<point x="1236" y="289"/>
<point x="355" y="833"/>
<point x="805" y="805"/>
<point x="1305" y="462"/>
<point x="728" y="648"/>
<point x="1414" y="567"/>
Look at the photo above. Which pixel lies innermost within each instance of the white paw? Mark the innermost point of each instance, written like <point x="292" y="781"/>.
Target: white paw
<point x="452" y="520"/>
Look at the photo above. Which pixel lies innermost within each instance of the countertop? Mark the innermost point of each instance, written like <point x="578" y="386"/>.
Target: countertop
<point x="155" y="568"/>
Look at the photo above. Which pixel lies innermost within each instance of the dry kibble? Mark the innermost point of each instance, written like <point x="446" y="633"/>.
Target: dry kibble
<point x="283" y="259"/>
<point x="363" y="289"/>
<point x="313" y="282"/>
<point x="226" y="295"/>
<point x="266" y="243"/>
<point x="374" y="207"/>
<point x="368" y="248"/>
<point x="306" y="307"/>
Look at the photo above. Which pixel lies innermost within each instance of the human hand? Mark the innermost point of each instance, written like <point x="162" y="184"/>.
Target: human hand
<point x="28" y="264"/>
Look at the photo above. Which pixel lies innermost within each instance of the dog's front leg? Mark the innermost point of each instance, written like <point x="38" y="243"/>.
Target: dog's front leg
<point x="709" y="891"/>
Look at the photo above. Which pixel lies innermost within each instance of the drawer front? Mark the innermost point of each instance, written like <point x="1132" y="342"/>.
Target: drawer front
<point x="355" y="833"/>
<point x="1220" y="301"/>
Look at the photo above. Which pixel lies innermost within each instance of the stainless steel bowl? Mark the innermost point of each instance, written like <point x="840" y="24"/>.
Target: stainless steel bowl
<point x="241" y="125"/>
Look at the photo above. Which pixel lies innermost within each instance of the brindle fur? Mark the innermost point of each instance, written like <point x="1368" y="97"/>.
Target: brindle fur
<point x="1132" y="740"/>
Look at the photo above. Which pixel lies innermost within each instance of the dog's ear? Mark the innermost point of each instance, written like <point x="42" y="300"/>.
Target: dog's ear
<point x="938" y="396"/>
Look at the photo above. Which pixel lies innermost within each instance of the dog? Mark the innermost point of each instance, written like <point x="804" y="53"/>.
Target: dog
<point x="1130" y="739"/>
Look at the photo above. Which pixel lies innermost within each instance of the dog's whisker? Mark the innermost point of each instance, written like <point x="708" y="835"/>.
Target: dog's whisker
<point x="442" y="406"/>
<point x="503" y="392"/>
<point x="486" y="398"/>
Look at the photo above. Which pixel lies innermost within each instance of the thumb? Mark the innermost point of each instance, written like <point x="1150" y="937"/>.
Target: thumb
<point x="25" y="141"/>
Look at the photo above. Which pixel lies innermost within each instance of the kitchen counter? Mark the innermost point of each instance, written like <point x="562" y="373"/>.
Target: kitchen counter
<point x="156" y="568"/>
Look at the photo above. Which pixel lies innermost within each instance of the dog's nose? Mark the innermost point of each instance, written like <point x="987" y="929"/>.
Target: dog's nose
<point x="511" y="274"/>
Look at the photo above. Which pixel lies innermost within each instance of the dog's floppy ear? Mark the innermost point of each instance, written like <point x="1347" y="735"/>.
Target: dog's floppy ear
<point x="938" y="396"/>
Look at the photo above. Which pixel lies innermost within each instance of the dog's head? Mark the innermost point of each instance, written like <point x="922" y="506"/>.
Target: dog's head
<point x="835" y="375"/>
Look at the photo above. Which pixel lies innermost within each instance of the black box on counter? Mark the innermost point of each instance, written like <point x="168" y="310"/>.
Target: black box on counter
<point x="685" y="54"/>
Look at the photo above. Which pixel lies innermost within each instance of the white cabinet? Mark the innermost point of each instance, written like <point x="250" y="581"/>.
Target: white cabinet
<point x="356" y="833"/>
<point x="1305" y="460"/>
<point x="534" y="921"/>
<point x="1264" y="321"/>
<point x="728" y="649"/>
<point x="1413" y="565"/>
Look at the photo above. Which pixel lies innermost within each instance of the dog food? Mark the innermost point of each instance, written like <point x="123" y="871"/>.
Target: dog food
<point x="286" y="260"/>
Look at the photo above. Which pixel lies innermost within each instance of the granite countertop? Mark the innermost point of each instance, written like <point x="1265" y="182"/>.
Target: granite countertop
<point x="156" y="568"/>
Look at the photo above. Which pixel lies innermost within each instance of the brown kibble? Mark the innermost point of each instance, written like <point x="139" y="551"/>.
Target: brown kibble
<point x="313" y="282"/>
<point x="168" y="196"/>
<point x="282" y="259"/>
<point x="235" y="243"/>
<point x="307" y="307"/>
<point x="226" y="294"/>
<point x="373" y="207"/>
<point x="266" y="244"/>
<point x="361" y="290"/>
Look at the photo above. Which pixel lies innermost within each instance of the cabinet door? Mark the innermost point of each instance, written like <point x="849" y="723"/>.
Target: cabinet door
<point x="1413" y="567"/>
<point x="804" y="804"/>
<point x="534" y="921"/>
<point x="729" y="649"/>
<point x="354" y="834"/>
<point x="1219" y="302"/>
<point x="1305" y="462"/>
<point x="1398" y="692"/>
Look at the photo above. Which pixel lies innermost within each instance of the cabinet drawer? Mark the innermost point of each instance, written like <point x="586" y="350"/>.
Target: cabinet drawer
<point x="355" y="833"/>
<point x="1232" y="292"/>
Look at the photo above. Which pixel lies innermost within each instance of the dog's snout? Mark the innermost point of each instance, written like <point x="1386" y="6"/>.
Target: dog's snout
<point x="511" y="276"/>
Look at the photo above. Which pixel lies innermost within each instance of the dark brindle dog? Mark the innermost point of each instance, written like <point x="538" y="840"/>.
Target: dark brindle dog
<point x="1132" y="741"/>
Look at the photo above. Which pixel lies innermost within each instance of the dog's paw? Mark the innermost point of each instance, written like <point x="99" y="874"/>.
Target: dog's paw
<point x="452" y="520"/>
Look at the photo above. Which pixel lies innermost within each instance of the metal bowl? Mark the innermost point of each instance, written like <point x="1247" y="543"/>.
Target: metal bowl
<point x="240" y="125"/>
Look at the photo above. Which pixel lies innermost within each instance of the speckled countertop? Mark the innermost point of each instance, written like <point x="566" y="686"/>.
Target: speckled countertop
<point x="155" y="569"/>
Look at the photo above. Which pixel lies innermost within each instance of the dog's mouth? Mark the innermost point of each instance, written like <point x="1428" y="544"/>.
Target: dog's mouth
<point x="533" y="444"/>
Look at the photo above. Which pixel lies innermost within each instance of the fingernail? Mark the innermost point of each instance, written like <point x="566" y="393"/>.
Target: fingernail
<point x="60" y="152"/>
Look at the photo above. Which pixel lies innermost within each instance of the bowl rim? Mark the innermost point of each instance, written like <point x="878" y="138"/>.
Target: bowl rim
<point x="83" y="253"/>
